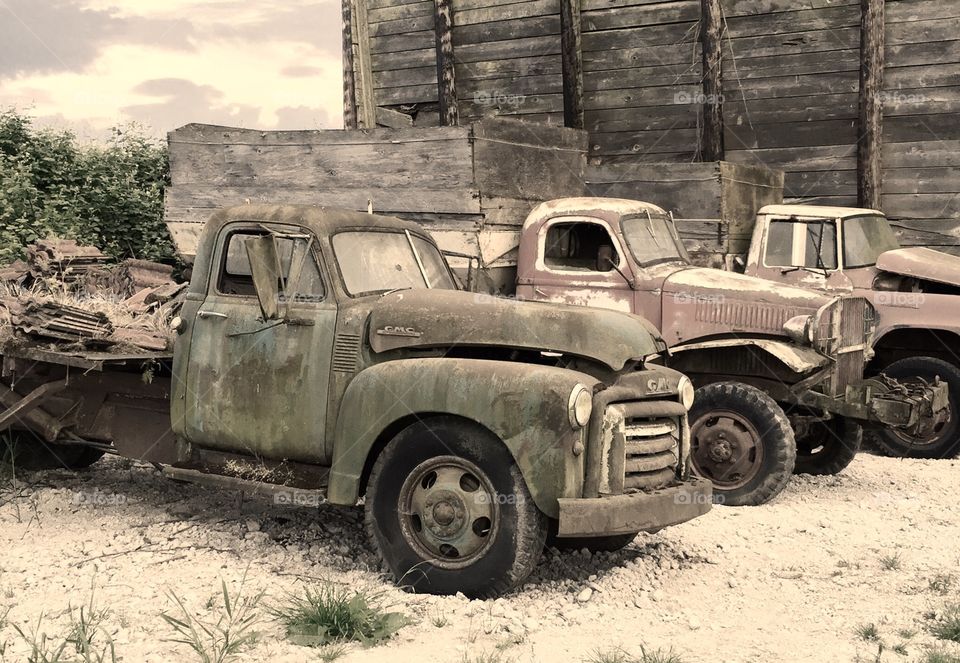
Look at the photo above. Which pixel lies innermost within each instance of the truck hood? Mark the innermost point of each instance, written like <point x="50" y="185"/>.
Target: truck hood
<point x="700" y="303"/>
<point x="703" y="282"/>
<point x="922" y="263"/>
<point x="444" y="318"/>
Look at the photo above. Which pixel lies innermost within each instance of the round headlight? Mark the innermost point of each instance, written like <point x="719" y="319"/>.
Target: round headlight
<point x="686" y="391"/>
<point x="177" y="324"/>
<point x="580" y="406"/>
<point x="800" y="329"/>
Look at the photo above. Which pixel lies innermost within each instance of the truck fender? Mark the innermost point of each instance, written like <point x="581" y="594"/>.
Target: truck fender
<point x="797" y="358"/>
<point x="525" y="406"/>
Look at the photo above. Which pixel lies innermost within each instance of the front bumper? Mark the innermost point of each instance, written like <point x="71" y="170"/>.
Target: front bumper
<point x="887" y="402"/>
<point x="635" y="512"/>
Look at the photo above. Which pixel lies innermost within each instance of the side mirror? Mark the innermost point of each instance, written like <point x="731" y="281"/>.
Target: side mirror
<point x="265" y="270"/>
<point x="605" y="258"/>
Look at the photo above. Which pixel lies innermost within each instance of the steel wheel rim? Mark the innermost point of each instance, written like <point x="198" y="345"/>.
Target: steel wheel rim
<point x="726" y="449"/>
<point x="449" y="511"/>
<point x="931" y="438"/>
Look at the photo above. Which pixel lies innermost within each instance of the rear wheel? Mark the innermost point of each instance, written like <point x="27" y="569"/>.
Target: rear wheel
<point x="742" y="442"/>
<point x="448" y="511"/>
<point x="939" y="441"/>
<point x="26" y="451"/>
<point x="827" y="447"/>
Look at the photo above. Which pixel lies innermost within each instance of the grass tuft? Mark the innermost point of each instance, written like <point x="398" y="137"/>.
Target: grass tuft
<point x="939" y="656"/>
<point x="891" y="562"/>
<point x="327" y="613"/>
<point x="620" y="655"/>
<point x="942" y="583"/>
<point x="221" y="640"/>
<point x="868" y="632"/>
<point x="946" y="626"/>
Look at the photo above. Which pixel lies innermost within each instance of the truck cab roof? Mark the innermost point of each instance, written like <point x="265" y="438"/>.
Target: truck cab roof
<point x="817" y="211"/>
<point x="587" y="205"/>
<point x="321" y="220"/>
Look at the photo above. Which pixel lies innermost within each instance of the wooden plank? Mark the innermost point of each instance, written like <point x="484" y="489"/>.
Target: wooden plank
<point x="934" y="52"/>
<point x="711" y="106"/>
<point x="775" y="111"/>
<point x="480" y="105"/>
<point x="413" y="59"/>
<point x="681" y="11"/>
<point x="870" y="122"/>
<point x="641" y="77"/>
<point x="807" y="158"/>
<point x="402" y="26"/>
<point x="507" y="29"/>
<point x="195" y="203"/>
<point x="930" y="206"/>
<point x="213" y="135"/>
<point x="640" y="97"/>
<point x="643" y="142"/>
<point x="472" y="14"/>
<point x="652" y="35"/>
<point x="927" y="232"/>
<point x="910" y="128"/>
<point x="801" y="41"/>
<point x="509" y="49"/>
<point x="921" y="31"/>
<point x="792" y="134"/>
<point x="939" y="179"/>
<point x="785" y="87"/>
<point x="749" y="68"/>
<point x="525" y="160"/>
<point x="802" y="20"/>
<point x="363" y="73"/>
<point x="914" y="10"/>
<point x="822" y="182"/>
<point x="446" y="72"/>
<point x="394" y="119"/>
<point x="349" y="83"/>
<point x="654" y="119"/>
<point x="642" y="56"/>
<point x="571" y="56"/>
<point x="921" y="154"/>
<point x="411" y="94"/>
<point x="410" y="41"/>
<point x="736" y="8"/>
<point x="398" y="11"/>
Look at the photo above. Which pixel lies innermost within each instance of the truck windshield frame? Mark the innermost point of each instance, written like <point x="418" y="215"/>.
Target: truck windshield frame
<point x="864" y="243"/>
<point x="652" y="239"/>
<point x="363" y="258"/>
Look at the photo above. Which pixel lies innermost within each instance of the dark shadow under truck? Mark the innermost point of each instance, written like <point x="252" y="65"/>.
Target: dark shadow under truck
<point x="330" y="351"/>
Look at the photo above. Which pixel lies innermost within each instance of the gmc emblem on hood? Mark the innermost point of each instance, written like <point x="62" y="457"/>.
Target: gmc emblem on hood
<point x="658" y="385"/>
<point x="391" y="330"/>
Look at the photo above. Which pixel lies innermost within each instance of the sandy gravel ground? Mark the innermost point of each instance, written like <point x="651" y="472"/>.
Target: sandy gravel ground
<point x="789" y="581"/>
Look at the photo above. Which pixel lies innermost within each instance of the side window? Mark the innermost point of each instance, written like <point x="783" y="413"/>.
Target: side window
<point x="809" y="244"/>
<point x="579" y="246"/>
<point x="300" y="276"/>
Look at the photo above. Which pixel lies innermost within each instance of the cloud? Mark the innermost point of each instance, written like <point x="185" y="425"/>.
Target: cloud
<point x="59" y="35"/>
<point x="303" y="117"/>
<point x="301" y="71"/>
<point x="184" y="101"/>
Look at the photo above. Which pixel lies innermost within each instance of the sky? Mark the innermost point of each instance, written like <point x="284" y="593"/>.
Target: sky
<point x="89" y="65"/>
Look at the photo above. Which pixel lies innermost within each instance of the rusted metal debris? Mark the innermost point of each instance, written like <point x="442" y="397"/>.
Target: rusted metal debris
<point x="60" y="322"/>
<point x="132" y="275"/>
<point x="63" y="259"/>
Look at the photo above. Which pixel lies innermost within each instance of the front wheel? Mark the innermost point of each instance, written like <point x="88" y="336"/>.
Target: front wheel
<point x="448" y="511"/>
<point x="742" y="442"/>
<point x="939" y="441"/>
<point x="610" y="543"/>
<point x="827" y="447"/>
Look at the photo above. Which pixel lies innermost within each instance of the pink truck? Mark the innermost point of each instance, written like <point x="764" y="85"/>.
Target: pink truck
<point x="779" y="369"/>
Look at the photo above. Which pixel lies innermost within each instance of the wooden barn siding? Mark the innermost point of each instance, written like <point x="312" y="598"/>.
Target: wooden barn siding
<point x="642" y="71"/>
<point x="921" y="150"/>
<point x="472" y="186"/>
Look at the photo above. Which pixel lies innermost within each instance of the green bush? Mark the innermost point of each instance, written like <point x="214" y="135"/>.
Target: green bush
<point x="108" y="195"/>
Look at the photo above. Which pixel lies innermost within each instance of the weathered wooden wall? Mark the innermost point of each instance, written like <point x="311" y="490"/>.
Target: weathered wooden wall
<point x="790" y="80"/>
<point x="714" y="204"/>
<point x="472" y="186"/>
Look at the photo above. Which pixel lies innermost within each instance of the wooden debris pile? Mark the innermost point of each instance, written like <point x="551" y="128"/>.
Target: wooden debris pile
<point x="66" y="293"/>
<point x="64" y="260"/>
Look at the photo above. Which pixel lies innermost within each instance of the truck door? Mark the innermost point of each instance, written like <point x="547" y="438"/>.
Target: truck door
<point x="260" y="387"/>
<point x="577" y="262"/>
<point x="802" y="252"/>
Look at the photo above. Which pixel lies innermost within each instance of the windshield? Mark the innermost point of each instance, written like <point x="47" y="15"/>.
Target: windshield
<point x="865" y="238"/>
<point x="377" y="261"/>
<point x="652" y="239"/>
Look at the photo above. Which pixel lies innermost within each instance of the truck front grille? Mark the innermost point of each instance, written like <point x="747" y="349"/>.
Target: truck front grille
<point x="845" y="333"/>
<point x="651" y="453"/>
<point x="643" y="449"/>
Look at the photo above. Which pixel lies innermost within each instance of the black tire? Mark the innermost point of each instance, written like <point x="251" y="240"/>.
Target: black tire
<point x="827" y="447"/>
<point x="26" y="451"/>
<point x="742" y="441"/>
<point x="611" y="543"/>
<point x="401" y="497"/>
<point x="945" y="442"/>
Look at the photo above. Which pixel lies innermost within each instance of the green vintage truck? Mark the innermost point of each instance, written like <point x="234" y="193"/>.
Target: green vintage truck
<point x="329" y="353"/>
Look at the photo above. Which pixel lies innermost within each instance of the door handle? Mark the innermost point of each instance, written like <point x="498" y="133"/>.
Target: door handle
<point x="211" y="314"/>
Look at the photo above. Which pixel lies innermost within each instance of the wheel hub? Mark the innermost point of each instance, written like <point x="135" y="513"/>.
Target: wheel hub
<point x="727" y="449"/>
<point x="448" y="511"/>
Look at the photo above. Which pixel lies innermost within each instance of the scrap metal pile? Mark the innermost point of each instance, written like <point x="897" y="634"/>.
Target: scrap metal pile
<point x="69" y="295"/>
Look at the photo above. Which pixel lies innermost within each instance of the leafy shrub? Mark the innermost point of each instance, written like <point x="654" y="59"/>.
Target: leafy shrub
<point x="107" y="195"/>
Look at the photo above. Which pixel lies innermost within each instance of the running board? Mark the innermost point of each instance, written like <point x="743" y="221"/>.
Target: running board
<point x="282" y="495"/>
